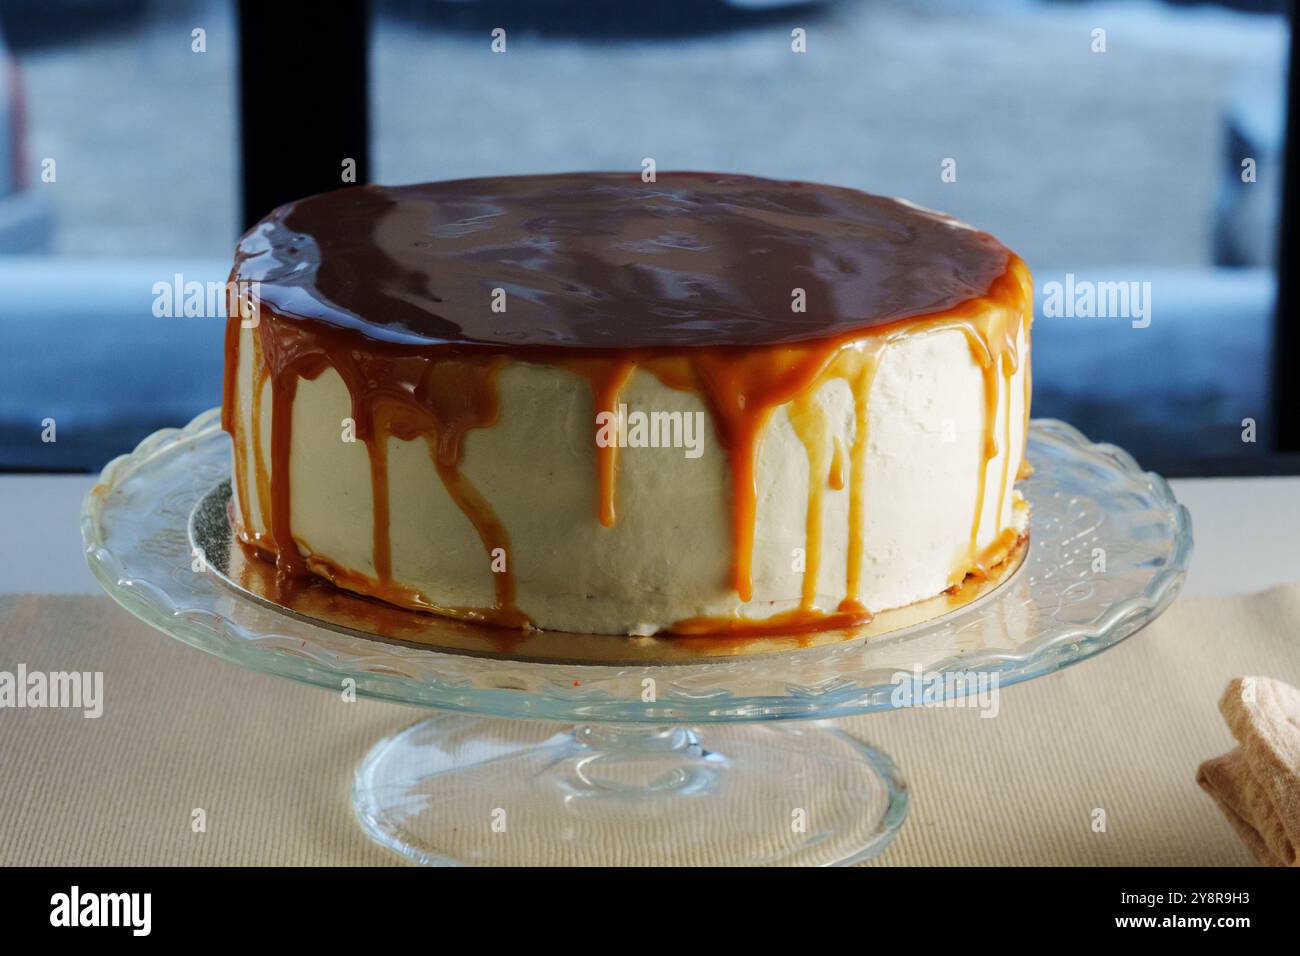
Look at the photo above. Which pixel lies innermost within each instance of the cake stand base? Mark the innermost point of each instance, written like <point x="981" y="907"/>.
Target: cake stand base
<point x="465" y="790"/>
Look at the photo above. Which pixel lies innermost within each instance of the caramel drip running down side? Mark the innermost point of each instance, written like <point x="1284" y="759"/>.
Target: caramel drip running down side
<point x="376" y="439"/>
<point x="991" y="328"/>
<point x="860" y="380"/>
<point x="989" y="450"/>
<point x="288" y="560"/>
<point x="495" y="538"/>
<point x="998" y="353"/>
<point x="261" y="473"/>
<point x="231" y="420"/>
<point x="808" y="419"/>
<point x="607" y="378"/>
<point x="453" y="396"/>
<point x="836" y="477"/>
<point x="743" y="389"/>
<point x="437" y="397"/>
<point x="461" y="394"/>
<point x="1026" y="469"/>
<point x="1007" y="374"/>
<point x="230" y="372"/>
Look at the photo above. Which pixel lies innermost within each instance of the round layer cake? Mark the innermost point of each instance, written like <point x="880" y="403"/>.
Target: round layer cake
<point x="585" y="402"/>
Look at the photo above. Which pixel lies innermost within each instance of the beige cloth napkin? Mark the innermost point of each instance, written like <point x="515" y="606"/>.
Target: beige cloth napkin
<point x="271" y="761"/>
<point x="1257" y="785"/>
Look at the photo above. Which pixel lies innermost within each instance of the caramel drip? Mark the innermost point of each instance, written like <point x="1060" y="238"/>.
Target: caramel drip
<point x="390" y="417"/>
<point x="808" y="419"/>
<point x="860" y="380"/>
<point x="231" y="420"/>
<point x="260" y="472"/>
<point x="496" y="541"/>
<point x="1026" y="469"/>
<point x="836" y="477"/>
<point x="376" y="441"/>
<point x="743" y="389"/>
<point x="1001" y="360"/>
<point x="452" y="396"/>
<point x="229" y="374"/>
<point x="438" y="397"/>
<point x="288" y="560"/>
<point x="607" y="378"/>
<point x="461" y="394"/>
<point x="991" y="556"/>
<point x="1006" y="459"/>
<point x="857" y="364"/>
<point x="373" y="411"/>
<point x="988" y="450"/>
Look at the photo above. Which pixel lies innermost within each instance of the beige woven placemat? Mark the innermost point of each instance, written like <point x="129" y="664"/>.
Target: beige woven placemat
<point x="270" y="761"/>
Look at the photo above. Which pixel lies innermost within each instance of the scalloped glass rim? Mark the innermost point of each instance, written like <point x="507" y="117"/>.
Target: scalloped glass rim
<point x="1085" y="496"/>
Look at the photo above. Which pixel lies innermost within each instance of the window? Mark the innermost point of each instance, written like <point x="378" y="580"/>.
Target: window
<point x="118" y="166"/>
<point x="1131" y="152"/>
<point x="1105" y="143"/>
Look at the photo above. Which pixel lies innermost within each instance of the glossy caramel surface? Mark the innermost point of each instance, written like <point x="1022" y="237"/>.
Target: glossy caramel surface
<point x="606" y="261"/>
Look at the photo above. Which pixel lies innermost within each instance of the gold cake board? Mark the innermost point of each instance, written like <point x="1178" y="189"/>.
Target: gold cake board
<point x="320" y="603"/>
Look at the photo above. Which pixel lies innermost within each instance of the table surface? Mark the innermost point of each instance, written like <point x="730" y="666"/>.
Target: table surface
<point x="1246" y="532"/>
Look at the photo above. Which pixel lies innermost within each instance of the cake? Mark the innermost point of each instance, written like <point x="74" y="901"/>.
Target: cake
<point x="589" y="403"/>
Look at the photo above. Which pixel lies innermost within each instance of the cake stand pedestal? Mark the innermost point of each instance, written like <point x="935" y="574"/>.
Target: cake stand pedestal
<point x="632" y="782"/>
<point x="465" y="789"/>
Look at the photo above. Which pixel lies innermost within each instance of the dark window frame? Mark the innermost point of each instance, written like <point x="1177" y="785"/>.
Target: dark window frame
<point x="1286" y="322"/>
<point x="304" y="99"/>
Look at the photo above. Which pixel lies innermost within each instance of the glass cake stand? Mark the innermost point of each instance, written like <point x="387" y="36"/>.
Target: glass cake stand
<point x="635" y="781"/>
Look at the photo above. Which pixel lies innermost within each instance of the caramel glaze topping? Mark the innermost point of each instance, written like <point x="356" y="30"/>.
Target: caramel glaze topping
<point x="750" y="292"/>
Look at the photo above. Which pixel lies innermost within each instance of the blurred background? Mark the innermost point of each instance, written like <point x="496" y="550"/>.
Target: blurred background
<point x="120" y="168"/>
